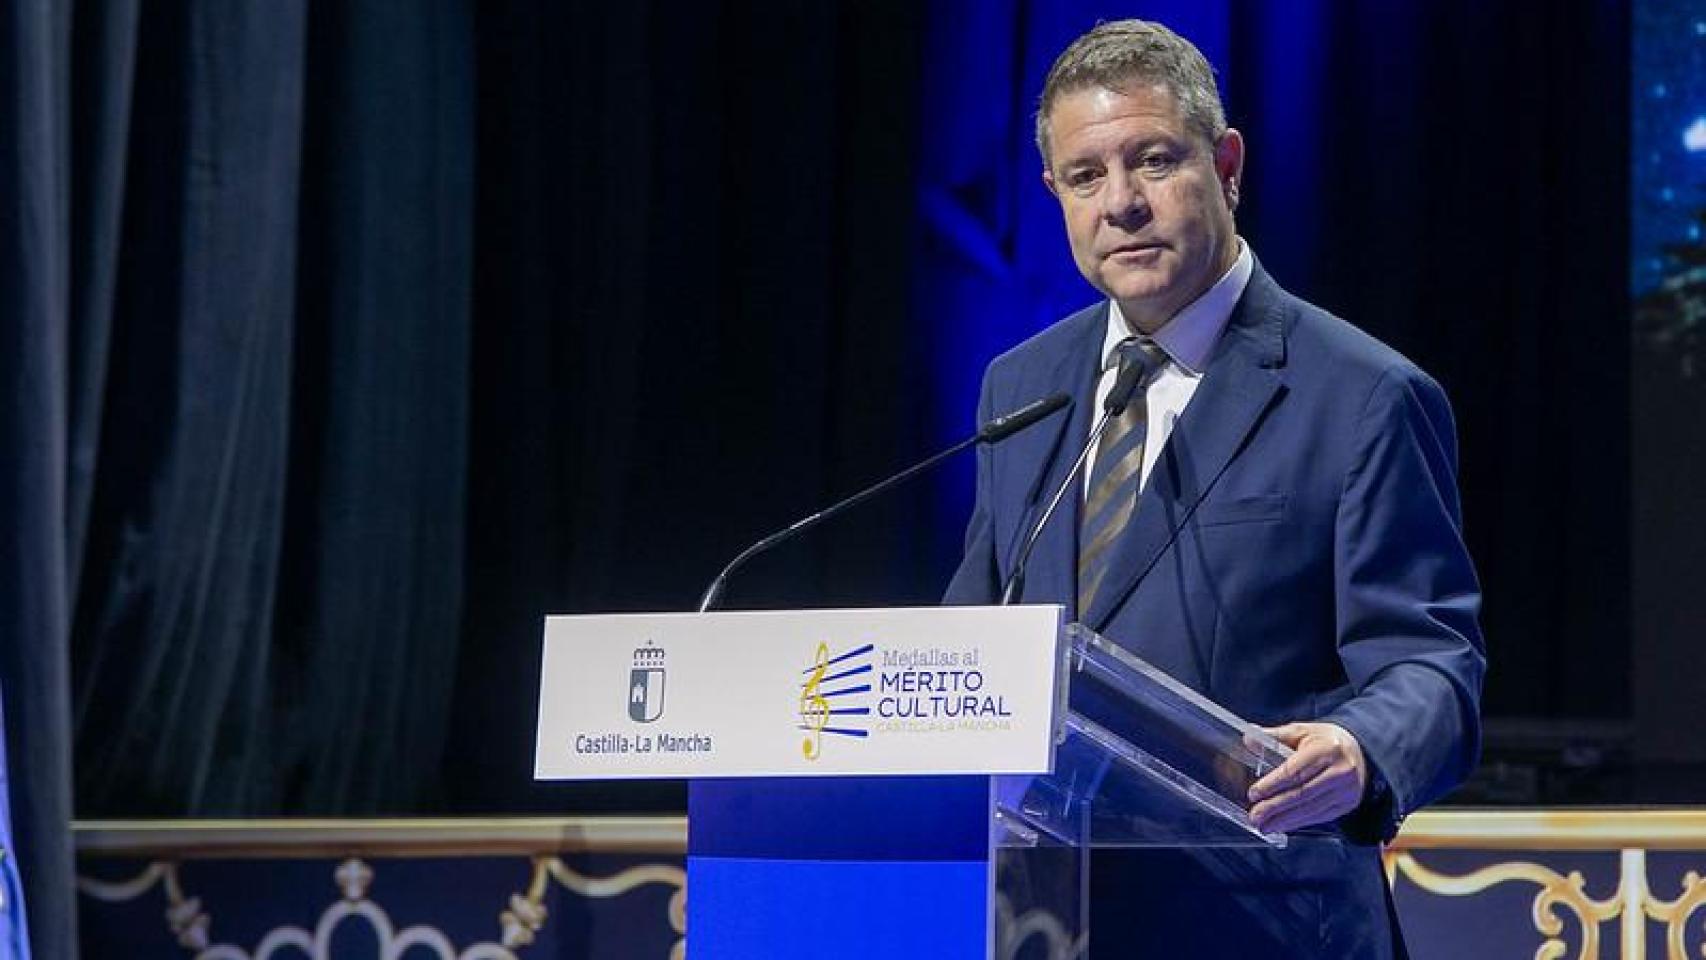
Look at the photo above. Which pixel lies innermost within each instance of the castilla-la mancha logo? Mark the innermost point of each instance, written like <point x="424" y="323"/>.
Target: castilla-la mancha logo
<point x="645" y="684"/>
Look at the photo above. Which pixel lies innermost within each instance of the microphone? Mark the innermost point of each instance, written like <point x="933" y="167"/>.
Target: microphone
<point x="1125" y="389"/>
<point x="1003" y="427"/>
<point x="994" y="431"/>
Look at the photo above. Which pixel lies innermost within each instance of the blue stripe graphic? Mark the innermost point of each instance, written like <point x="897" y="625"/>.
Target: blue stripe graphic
<point x="843" y="731"/>
<point x="842" y="675"/>
<point x="867" y="648"/>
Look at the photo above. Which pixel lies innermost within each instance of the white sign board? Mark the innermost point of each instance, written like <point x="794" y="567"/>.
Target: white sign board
<point x="953" y="690"/>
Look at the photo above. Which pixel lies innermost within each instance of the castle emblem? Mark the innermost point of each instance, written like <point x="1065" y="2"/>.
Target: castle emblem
<point x="645" y="684"/>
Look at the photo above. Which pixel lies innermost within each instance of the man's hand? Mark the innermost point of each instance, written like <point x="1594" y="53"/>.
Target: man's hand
<point x="1322" y="781"/>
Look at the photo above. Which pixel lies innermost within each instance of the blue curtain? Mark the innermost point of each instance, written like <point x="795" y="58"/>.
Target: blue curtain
<point x="992" y="264"/>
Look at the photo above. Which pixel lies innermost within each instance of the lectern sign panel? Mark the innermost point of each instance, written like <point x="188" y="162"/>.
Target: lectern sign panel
<point x="798" y="693"/>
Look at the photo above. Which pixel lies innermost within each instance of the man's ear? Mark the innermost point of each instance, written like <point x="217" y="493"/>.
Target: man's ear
<point x="1229" y="165"/>
<point x="1048" y="182"/>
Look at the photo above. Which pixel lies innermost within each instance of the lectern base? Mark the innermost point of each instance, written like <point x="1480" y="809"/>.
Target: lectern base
<point x="839" y="868"/>
<point x="752" y="909"/>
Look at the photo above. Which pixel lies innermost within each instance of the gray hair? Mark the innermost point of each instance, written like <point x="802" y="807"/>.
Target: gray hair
<point x="1117" y="54"/>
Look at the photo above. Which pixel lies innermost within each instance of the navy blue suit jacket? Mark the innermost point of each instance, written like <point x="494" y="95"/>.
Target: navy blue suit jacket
<point x="1296" y="554"/>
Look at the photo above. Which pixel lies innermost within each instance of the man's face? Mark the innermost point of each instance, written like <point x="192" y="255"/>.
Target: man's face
<point x="1147" y="201"/>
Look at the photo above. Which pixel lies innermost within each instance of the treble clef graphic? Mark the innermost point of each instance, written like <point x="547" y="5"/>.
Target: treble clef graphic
<point x="814" y="708"/>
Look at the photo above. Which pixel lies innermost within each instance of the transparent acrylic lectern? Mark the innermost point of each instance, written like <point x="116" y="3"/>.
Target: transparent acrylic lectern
<point x="1140" y="760"/>
<point x="972" y="867"/>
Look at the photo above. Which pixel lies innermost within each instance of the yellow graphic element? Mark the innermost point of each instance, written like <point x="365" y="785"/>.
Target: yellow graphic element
<point x="814" y="708"/>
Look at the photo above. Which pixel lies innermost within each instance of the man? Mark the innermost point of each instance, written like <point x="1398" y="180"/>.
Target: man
<point x="1274" y="521"/>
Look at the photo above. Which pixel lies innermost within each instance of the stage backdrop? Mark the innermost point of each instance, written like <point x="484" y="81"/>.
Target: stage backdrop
<point x="347" y="344"/>
<point x="710" y="301"/>
<point x="1668" y="283"/>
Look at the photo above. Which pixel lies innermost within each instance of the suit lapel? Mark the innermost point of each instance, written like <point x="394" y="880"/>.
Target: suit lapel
<point x="1051" y="573"/>
<point x="1241" y="382"/>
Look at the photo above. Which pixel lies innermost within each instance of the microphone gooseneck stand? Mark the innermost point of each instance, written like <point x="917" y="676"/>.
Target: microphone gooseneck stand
<point x="994" y="431"/>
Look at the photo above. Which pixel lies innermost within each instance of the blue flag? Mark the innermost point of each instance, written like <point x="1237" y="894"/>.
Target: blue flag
<point x="14" y="932"/>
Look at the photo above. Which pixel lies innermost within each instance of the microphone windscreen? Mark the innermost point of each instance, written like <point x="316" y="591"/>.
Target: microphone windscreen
<point x="1006" y="425"/>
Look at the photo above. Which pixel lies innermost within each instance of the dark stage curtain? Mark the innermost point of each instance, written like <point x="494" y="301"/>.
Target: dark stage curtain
<point x="691" y="285"/>
<point x="35" y="311"/>
<point x="235" y="280"/>
<point x="273" y="406"/>
<point x="1467" y="200"/>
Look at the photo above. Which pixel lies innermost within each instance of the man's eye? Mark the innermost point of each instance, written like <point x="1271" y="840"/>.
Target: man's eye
<point x="1083" y="181"/>
<point x="1156" y="162"/>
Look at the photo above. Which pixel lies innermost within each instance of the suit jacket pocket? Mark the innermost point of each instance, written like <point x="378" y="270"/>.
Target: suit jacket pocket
<point x="1264" y="508"/>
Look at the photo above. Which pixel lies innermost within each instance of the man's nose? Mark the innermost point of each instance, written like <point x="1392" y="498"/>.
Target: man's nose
<point x="1123" y="199"/>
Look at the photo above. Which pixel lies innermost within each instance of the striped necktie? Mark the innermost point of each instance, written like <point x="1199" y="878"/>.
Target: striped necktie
<point x="1117" y="473"/>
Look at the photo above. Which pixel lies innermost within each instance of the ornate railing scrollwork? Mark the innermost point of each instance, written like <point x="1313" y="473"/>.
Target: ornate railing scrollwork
<point x="1674" y="914"/>
<point x="1619" y="923"/>
<point x="1568" y="891"/>
<point x="188" y="922"/>
<point x="526" y="915"/>
<point x="1036" y="928"/>
<point x="1628" y="834"/>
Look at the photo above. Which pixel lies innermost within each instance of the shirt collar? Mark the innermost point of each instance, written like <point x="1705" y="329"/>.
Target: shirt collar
<point x="1189" y="338"/>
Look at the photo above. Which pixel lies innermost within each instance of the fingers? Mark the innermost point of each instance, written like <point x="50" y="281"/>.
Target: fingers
<point x="1315" y="808"/>
<point x="1320" y="781"/>
<point x="1326" y="797"/>
<point x="1298" y="769"/>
